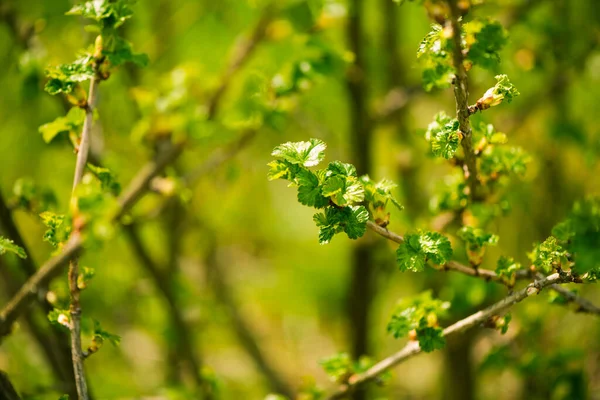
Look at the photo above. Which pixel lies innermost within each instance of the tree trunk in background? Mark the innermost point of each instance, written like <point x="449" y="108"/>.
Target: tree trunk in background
<point x="458" y="368"/>
<point x="412" y="193"/>
<point x="361" y="289"/>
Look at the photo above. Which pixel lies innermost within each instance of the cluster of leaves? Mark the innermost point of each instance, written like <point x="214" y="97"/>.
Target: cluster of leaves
<point x="548" y="255"/>
<point x="481" y="40"/>
<point x="476" y="240"/>
<point x="579" y="235"/>
<point x="59" y="227"/>
<point x="418" y="317"/>
<point x="560" y="370"/>
<point x="506" y="268"/>
<point x="340" y="367"/>
<point x="110" y="50"/>
<point x="501" y="91"/>
<point x="31" y="197"/>
<point x="336" y="190"/>
<point x="444" y="136"/>
<point x="8" y="246"/>
<point x="419" y="248"/>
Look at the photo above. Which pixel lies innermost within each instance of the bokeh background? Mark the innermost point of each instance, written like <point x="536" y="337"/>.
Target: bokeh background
<point x="245" y="298"/>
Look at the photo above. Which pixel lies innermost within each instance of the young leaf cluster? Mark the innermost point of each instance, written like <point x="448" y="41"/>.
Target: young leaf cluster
<point x="420" y="315"/>
<point x="8" y="246"/>
<point x="476" y="240"/>
<point x="342" y="196"/>
<point x="444" y="136"/>
<point x="419" y="248"/>
<point x="481" y="40"/>
<point x="579" y="234"/>
<point x="506" y="268"/>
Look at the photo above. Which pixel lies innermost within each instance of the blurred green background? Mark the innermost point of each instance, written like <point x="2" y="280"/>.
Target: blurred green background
<point x="261" y="301"/>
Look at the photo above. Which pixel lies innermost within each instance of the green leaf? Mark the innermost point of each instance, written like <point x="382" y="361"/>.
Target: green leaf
<point x="444" y="135"/>
<point x="418" y="248"/>
<point x="503" y="90"/>
<point x="501" y="160"/>
<point x="31" y="196"/>
<point x="351" y="220"/>
<point x="109" y="13"/>
<point x="309" y="191"/>
<point x="58" y="231"/>
<point x="72" y="122"/>
<point x="8" y="246"/>
<point x="338" y="367"/>
<point x="434" y="56"/>
<point x="547" y="255"/>
<point x="106" y="178"/>
<point x="341" y="184"/>
<point x="102" y="335"/>
<point x="507" y="268"/>
<point x="476" y="238"/>
<point x="307" y="154"/>
<point x="378" y="194"/>
<point x="412" y="312"/>
<point x="64" y="77"/>
<point x="484" y="40"/>
<point x="580" y="234"/>
<point x="430" y="338"/>
<point x="60" y="318"/>
<point x="122" y="52"/>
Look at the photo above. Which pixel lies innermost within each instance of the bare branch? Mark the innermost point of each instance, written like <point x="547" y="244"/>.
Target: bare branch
<point x="584" y="304"/>
<point x="461" y="95"/>
<point x="412" y="348"/>
<point x="136" y="189"/>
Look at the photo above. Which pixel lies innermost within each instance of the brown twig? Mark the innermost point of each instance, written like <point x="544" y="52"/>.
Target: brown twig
<point x="584" y="304"/>
<point x="50" y="269"/>
<point x="461" y="96"/>
<point x="412" y="348"/>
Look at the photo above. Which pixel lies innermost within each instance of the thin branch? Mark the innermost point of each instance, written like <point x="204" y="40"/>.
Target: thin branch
<point x="461" y="95"/>
<point x="241" y="54"/>
<point x="218" y="280"/>
<point x="412" y="348"/>
<point x="75" y="306"/>
<point x="136" y="189"/>
<point x="584" y="304"/>
<point x="7" y="391"/>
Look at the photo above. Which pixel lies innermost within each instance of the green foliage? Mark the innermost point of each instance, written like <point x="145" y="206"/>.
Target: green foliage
<point x="580" y="235"/>
<point x="58" y="229"/>
<point x="499" y="160"/>
<point x="94" y="209"/>
<point x="86" y="274"/>
<point x="548" y="255"/>
<point x="420" y="314"/>
<point x="507" y="268"/>
<point x="502" y="90"/>
<point x="444" y="136"/>
<point x="101" y="335"/>
<point x="72" y="124"/>
<point x="483" y="40"/>
<point x="338" y="367"/>
<point x="107" y="179"/>
<point x="8" y="246"/>
<point x="430" y="338"/>
<point x="336" y="189"/>
<point x="64" y="77"/>
<point x="351" y="220"/>
<point x="60" y="318"/>
<point x="418" y="248"/>
<point x="108" y="13"/>
<point x="32" y="197"/>
<point x="476" y="240"/>
<point x="307" y="154"/>
<point x="434" y="55"/>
